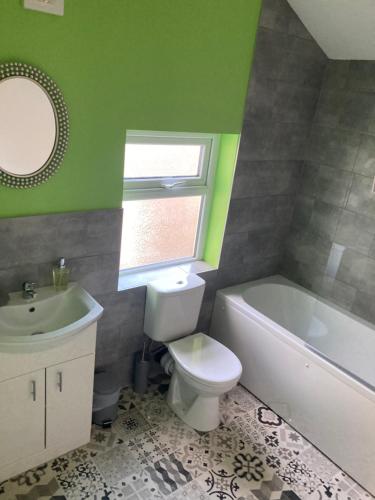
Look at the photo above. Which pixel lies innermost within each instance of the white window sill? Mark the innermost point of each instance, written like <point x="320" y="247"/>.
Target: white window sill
<point x="128" y="280"/>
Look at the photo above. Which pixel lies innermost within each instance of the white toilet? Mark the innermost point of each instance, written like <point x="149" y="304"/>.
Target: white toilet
<point x="203" y="369"/>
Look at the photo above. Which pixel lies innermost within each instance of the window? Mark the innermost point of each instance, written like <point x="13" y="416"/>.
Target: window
<point x="167" y="193"/>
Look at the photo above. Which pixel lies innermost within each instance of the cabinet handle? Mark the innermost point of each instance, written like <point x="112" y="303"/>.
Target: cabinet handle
<point x="60" y="381"/>
<point x="33" y="389"/>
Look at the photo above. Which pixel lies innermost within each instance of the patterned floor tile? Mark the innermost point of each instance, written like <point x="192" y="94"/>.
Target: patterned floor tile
<point x="169" y="473"/>
<point x="223" y="441"/>
<point x="116" y="464"/>
<point x="149" y="453"/>
<point x="340" y="487"/>
<point x="147" y="448"/>
<point x="244" y="398"/>
<point x="130" y="424"/>
<point x="103" y="440"/>
<point x="230" y="409"/>
<point x="35" y="484"/>
<point x="127" y="400"/>
<point x="299" y="477"/>
<point x="193" y="491"/>
<point x="242" y="475"/>
<point x="198" y="457"/>
<point x="80" y="481"/>
<point x="137" y="486"/>
<point x="249" y="427"/>
<point x="174" y="434"/>
<point x="156" y="411"/>
<point x="320" y="464"/>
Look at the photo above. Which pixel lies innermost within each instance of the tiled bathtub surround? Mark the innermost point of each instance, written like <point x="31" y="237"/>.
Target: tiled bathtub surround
<point x="287" y="73"/>
<point x="331" y="248"/>
<point x="150" y="454"/>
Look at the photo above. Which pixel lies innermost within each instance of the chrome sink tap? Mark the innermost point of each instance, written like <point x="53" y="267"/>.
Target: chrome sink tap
<point x="28" y="290"/>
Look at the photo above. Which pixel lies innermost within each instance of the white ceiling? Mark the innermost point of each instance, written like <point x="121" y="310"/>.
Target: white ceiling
<point x="344" y="29"/>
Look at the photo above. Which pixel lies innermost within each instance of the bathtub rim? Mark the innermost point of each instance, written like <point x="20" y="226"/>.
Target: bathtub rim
<point x="233" y="296"/>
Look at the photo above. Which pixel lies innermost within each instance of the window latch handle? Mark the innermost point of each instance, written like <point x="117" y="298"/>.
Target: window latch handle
<point x="171" y="185"/>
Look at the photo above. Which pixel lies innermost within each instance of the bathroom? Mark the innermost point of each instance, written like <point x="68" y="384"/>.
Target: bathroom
<point x="264" y="111"/>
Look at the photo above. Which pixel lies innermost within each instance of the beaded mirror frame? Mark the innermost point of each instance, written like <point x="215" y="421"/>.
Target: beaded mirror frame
<point x="14" y="69"/>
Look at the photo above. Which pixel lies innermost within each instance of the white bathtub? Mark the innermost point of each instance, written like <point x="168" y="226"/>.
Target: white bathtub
<point x="312" y="362"/>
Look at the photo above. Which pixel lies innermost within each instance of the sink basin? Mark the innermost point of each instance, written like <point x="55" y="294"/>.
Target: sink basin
<point x="50" y="315"/>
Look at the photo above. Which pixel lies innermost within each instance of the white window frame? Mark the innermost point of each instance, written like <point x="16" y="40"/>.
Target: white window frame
<point x="171" y="187"/>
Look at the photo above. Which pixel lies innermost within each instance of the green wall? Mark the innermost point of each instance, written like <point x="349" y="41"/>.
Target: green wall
<point x="229" y="144"/>
<point x="129" y="64"/>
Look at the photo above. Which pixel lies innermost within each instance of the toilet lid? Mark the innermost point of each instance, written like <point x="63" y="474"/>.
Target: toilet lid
<point x="206" y="359"/>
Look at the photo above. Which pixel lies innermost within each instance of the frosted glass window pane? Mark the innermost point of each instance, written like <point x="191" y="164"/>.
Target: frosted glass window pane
<point x="161" y="160"/>
<point x="159" y="230"/>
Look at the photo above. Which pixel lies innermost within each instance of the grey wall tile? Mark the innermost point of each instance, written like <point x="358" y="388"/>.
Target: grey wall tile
<point x="233" y="250"/>
<point x="122" y="307"/>
<point x="365" y="162"/>
<point x="330" y="107"/>
<point x="277" y="15"/>
<point x="326" y="183"/>
<point x="260" y="103"/>
<point x="304" y="64"/>
<point x="11" y="279"/>
<point x="44" y="238"/>
<point x="336" y="75"/>
<point x="358" y="270"/>
<point x="364" y="306"/>
<point x="361" y="76"/>
<point x="358" y="112"/>
<point x="98" y="273"/>
<point x="261" y="178"/>
<point x="306" y="248"/>
<point x="259" y="268"/>
<point x="273" y="140"/>
<point x="342" y="151"/>
<point x="334" y="290"/>
<point x="302" y="212"/>
<point x="334" y="147"/>
<point x="332" y="186"/>
<point x="247" y="214"/>
<point x="293" y="103"/>
<point x="356" y="232"/>
<point x="271" y="50"/>
<point x="361" y="198"/>
<point x="324" y="219"/>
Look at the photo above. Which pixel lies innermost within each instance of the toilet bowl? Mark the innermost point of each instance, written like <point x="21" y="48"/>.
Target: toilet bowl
<point x="202" y="368"/>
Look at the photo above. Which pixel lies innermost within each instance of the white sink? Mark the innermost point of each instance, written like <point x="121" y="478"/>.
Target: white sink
<point x="49" y="316"/>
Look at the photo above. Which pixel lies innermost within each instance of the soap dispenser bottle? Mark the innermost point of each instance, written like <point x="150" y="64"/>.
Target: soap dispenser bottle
<point x="60" y="275"/>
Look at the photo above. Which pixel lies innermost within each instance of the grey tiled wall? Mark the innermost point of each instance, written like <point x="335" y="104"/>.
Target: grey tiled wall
<point x="331" y="248"/>
<point x="90" y="241"/>
<point x="287" y="74"/>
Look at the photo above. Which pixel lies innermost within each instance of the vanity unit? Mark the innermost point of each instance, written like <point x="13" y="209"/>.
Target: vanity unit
<point x="47" y="354"/>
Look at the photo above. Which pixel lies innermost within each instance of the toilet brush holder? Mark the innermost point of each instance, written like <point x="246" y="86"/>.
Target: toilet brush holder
<point x="141" y="372"/>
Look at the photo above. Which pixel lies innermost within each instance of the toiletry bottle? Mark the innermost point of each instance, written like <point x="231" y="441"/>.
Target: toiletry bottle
<point x="60" y="275"/>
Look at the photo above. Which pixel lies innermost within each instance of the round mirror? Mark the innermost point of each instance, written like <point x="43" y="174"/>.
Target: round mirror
<point x="33" y="126"/>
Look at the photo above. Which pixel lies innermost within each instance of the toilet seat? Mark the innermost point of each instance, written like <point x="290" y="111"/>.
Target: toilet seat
<point x="206" y="361"/>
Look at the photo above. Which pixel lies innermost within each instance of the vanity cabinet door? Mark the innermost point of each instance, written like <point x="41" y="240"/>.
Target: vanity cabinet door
<point x="22" y="417"/>
<point x="69" y="403"/>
